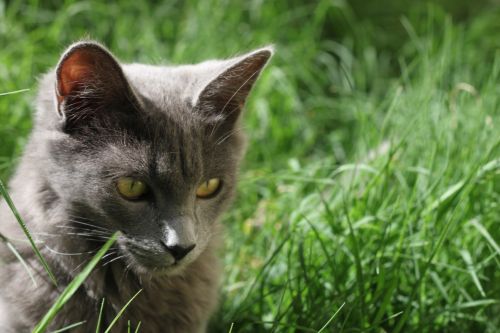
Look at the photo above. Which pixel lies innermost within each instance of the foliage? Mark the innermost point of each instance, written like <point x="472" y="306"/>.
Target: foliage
<point x="369" y="200"/>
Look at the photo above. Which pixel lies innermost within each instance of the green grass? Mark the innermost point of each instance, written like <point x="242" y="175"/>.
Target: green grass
<point x="330" y="232"/>
<point x="72" y="288"/>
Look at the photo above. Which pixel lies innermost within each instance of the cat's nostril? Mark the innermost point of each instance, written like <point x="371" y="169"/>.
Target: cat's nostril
<point x="179" y="252"/>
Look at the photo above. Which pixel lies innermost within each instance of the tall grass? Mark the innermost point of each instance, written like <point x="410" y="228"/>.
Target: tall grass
<point x="369" y="197"/>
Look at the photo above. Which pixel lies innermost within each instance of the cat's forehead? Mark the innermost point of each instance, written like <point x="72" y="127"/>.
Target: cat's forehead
<point x="170" y="87"/>
<point x="158" y="84"/>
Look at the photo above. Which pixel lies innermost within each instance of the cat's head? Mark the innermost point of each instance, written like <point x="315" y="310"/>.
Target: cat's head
<point x="150" y="151"/>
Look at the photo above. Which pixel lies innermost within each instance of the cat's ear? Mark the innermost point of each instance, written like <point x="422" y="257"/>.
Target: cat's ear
<point x="223" y="98"/>
<point x="88" y="80"/>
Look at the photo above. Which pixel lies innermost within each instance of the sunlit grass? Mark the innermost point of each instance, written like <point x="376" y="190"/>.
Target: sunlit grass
<point x="369" y="199"/>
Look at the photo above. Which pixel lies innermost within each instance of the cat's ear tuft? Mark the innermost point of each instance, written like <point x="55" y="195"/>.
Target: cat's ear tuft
<point x="225" y="95"/>
<point x="88" y="74"/>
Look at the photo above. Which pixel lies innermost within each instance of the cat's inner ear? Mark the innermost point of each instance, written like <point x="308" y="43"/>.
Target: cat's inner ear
<point x="224" y="97"/>
<point x="88" y="79"/>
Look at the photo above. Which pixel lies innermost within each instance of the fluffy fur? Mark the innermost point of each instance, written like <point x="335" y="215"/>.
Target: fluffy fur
<point x="98" y="120"/>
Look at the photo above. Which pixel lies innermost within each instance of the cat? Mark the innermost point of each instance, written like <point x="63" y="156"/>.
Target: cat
<point x="150" y="152"/>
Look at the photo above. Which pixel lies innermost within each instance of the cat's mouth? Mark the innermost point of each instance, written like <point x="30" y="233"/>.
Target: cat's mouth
<point x="147" y="257"/>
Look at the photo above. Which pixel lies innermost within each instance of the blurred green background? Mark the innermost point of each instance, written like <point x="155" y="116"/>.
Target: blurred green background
<point x="369" y="199"/>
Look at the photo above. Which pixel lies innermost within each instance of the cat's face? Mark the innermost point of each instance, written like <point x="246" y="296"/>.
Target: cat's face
<point x="151" y="152"/>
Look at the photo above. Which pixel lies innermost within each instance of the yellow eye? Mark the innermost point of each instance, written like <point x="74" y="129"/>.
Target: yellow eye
<point x="208" y="188"/>
<point x="131" y="188"/>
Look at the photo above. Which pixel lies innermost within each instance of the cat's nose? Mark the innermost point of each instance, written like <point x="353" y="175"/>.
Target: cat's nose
<point x="178" y="251"/>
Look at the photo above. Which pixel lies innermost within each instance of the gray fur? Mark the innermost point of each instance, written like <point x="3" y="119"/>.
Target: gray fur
<point x="174" y="127"/>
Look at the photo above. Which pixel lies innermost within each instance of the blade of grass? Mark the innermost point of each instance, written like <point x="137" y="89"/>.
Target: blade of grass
<point x="385" y="303"/>
<point x="295" y="327"/>
<point x="331" y="318"/>
<point x="98" y="326"/>
<point x="137" y="328"/>
<point x="446" y="197"/>
<point x="11" y="247"/>
<point x="67" y="328"/>
<point x="21" y="260"/>
<point x="472" y="271"/>
<point x="278" y="318"/>
<point x="261" y="273"/>
<point x="73" y="287"/>
<point x="121" y="312"/>
<point x="473" y="304"/>
<point x="357" y="263"/>
<point x="482" y="230"/>
<point x="5" y="194"/>
<point x="441" y="238"/>
<point x="14" y="92"/>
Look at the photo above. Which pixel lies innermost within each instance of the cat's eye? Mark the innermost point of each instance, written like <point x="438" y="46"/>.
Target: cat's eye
<point x="208" y="188"/>
<point x="131" y="188"/>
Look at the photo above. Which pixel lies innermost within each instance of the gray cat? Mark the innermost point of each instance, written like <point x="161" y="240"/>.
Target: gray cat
<point x="149" y="151"/>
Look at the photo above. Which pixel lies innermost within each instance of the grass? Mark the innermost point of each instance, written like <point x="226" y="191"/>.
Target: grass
<point x="72" y="288"/>
<point x="369" y="199"/>
<point x="5" y="195"/>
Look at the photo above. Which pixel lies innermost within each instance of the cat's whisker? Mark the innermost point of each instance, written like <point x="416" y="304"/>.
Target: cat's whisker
<point x="76" y="228"/>
<point x="84" y="262"/>
<point x="46" y="234"/>
<point x="80" y="224"/>
<point x="77" y="220"/>
<point x="68" y="254"/>
<point x="73" y="216"/>
<point x="128" y="268"/>
<point x="228" y="135"/>
<point x="111" y="253"/>
<point x="113" y="260"/>
<point x="84" y="230"/>
<point x="87" y="236"/>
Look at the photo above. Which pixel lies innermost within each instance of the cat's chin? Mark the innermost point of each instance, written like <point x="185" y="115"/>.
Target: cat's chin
<point x="174" y="270"/>
<point x="144" y="269"/>
<point x="141" y="266"/>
